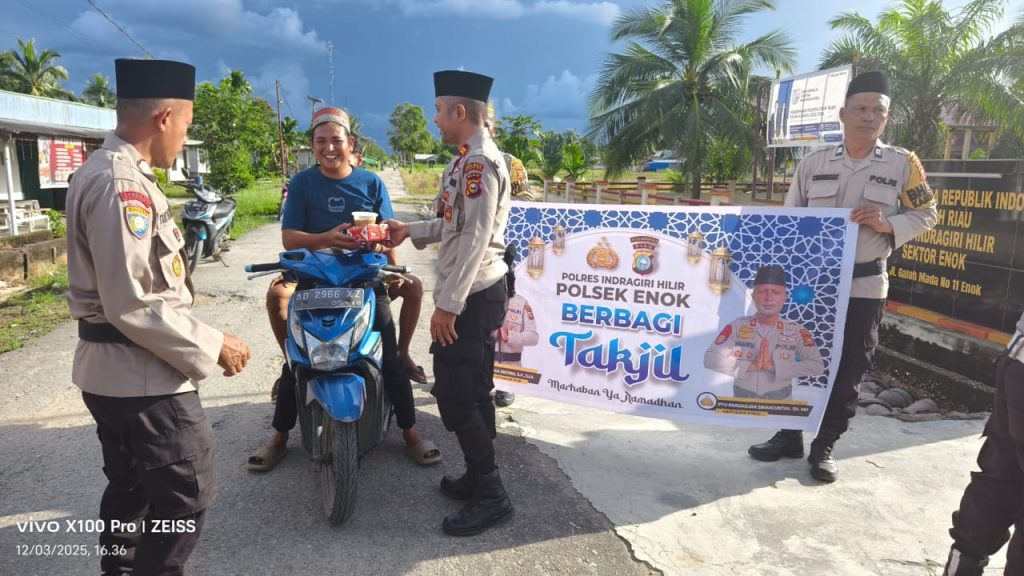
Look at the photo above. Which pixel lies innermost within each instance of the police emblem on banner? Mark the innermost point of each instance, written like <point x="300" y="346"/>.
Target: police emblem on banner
<point x="643" y="253"/>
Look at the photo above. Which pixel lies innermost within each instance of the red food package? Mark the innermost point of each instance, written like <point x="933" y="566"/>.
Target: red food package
<point x="370" y="233"/>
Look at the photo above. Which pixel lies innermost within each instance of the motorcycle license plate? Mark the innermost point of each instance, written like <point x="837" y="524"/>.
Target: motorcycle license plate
<point x="319" y="298"/>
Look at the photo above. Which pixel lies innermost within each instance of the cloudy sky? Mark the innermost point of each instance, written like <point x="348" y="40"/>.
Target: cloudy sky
<point x="544" y="54"/>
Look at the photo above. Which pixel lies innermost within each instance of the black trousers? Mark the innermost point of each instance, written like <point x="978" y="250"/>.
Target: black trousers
<point x="158" y="454"/>
<point x="860" y="338"/>
<point x="396" y="381"/>
<point x="994" y="500"/>
<point x="464" y="377"/>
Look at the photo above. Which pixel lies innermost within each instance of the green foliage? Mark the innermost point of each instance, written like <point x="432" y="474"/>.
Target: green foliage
<point x="939" y="61"/>
<point x="682" y="79"/>
<point x="34" y="72"/>
<point x="979" y="154"/>
<point x="552" y="154"/>
<point x="161" y="177"/>
<point x="56" y="222"/>
<point x="408" y="133"/>
<point x="238" y="130"/>
<point x="513" y="135"/>
<point x="725" y="160"/>
<point x="574" y="160"/>
<point x="35" y="312"/>
<point x="422" y="181"/>
<point x="98" y="93"/>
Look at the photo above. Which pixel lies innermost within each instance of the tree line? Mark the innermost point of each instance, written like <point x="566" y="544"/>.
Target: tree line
<point x="682" y="82"/>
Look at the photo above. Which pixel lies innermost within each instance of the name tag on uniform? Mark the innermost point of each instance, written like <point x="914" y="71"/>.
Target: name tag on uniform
<point x="824" y="177"/>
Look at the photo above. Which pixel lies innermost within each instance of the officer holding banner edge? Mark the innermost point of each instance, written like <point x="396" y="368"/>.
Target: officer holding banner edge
<point x="888" y="193"/>
<point x="140" y="350"/>
<point x="470" y="297"/>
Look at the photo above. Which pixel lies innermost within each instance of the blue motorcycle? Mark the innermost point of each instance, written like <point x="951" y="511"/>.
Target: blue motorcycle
<point x="335" y="356"/>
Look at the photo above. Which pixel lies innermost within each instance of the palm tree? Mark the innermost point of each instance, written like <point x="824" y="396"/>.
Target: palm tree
<point x="35" y="72"/>
<point x="937" y="61"/>
<point x="681" y="81"/>
<point x="98" y="93"/>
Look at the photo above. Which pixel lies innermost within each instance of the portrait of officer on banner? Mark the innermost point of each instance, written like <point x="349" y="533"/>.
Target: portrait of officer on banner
<point x="765" y="352"/>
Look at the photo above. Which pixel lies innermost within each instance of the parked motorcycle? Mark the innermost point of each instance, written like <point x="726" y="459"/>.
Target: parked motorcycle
<point x="335" y="356"/>
<point x="207" y="221"/>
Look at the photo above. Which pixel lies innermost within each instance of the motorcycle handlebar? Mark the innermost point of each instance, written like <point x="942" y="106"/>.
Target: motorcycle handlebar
<point x="268" y="267"/>
<point x="396" y="269"/>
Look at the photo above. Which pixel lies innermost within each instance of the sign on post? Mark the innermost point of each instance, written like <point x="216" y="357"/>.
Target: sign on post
<point x="58" y="158"/>
<point x="652" y="310"/>
<point x="804" y="110"/>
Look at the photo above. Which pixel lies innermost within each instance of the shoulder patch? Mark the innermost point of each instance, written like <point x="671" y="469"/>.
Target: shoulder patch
<point x="807" y="338"/>
<point x="917" y="193"/>
<point x="137" y="219"/>
<point x="474" y="166"/>
<point x="134" y="196"/>
<point x="724" y="334"/>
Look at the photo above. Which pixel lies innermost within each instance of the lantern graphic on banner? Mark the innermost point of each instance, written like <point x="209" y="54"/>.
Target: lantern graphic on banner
<point x="718" y="280"/>
<point x="558" y="241"/>
<point x="694" y="246"/>
<point x="535" y="257"/>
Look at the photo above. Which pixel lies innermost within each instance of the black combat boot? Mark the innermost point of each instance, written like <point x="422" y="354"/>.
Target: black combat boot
<point x="824" y="467"/>
<point x="785" y="443"/>
<point x="460" y="488"/>
<point x="489" y="505"/>
<point x="959" y="564"/>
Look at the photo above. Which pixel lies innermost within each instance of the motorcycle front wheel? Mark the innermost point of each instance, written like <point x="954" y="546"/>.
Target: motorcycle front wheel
<point x="192" y="245"/>
<point x="339" y="464"/>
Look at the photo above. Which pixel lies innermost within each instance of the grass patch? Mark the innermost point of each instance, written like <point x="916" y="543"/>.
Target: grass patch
<point x="34" y="312"/>
<point x="257" y="206"/>
<point x="422" y="181"/>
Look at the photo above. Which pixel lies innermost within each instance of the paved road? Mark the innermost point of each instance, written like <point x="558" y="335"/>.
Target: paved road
<point x="594" y="492"/>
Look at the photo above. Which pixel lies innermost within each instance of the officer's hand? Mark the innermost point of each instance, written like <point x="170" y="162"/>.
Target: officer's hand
<point x="504" y="333"/>
<point x="339" y="238"/>
<point x="234" y="355"/>
<point x="442" y="327"/>
<point x="398" y="231"/>
<point x="871" y="216"/>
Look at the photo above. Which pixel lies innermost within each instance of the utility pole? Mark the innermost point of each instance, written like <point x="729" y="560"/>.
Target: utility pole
<point x="313" y="101"/>
<point x="280" y="132"/>
<point x="330" y="64"/>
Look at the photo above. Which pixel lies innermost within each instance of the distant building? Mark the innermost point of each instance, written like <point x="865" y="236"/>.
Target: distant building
<point x="966" y="135"/>
<point x="192" y="158"/>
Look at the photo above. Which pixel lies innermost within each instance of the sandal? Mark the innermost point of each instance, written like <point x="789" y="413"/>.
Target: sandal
<point x="264" y="459"/>
<point x="424" y="453"/>
<point x="416" y="374"/>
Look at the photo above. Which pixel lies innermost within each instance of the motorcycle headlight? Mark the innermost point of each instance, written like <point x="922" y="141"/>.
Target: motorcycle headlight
<point x="295" y="327"/>
<point x="361" y="325"/>
<point x="327" y="356"/>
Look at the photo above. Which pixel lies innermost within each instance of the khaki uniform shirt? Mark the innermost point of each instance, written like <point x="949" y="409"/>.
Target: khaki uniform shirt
<point x="521" y="327"/>
<point x="517" y="175"/>
<point x="473" y="203"/>
<point x="793" y="350"/>
<point x="126" y="268"/>
<point x="890" y="178"/>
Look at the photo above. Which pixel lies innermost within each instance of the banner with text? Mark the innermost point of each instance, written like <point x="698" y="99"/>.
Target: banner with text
<point x="58" y="158"/>
<point x="654" y="310"/>
<point x="804" y="110"/>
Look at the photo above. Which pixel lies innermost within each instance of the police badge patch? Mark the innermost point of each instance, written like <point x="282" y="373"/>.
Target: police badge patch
<point x="137" y="219"/>
<point x="176" y="266"/>
<point x="724" y="334"/>
<point x="643" y="253"/>
<point x="473" y="185"/>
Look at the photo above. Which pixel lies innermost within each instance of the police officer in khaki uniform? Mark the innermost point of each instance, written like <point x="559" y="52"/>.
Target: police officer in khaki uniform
<point x="764" y="352"/>
<point x="890" y="199"/>
<point x="516" y="169"/>
<point x="994" y="500"/>
<point x="470" y="296"/>
<point x="140" y="350"/>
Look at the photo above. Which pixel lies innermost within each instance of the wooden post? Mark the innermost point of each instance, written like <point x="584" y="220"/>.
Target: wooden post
<point x="568" y="189"/>
<point x="599" y="188"/>
<point x="547" y="185"/>
<point x="645" y="192"/>
<point x="947" y="154"/>
<point x="965" y="154"/>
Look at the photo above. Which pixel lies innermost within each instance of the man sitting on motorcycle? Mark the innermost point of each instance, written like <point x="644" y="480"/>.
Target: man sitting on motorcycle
<point x="321" y="200"/>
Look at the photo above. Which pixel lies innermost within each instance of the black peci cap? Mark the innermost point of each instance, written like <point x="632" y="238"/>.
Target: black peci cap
<point x="773" y="274"/>
<point x="869" y="82"/>
<point x="155" y="79"/>
<point x="462" y="84"/>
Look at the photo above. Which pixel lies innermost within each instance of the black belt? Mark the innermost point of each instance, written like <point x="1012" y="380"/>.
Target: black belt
<point x="873" y="268"/>
<point x="508" y="356"/>
<point x="102" y="333"/>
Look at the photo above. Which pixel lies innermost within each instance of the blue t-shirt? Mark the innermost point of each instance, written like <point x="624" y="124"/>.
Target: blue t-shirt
<point x="317" y="203"/>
